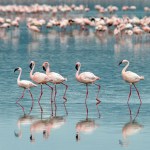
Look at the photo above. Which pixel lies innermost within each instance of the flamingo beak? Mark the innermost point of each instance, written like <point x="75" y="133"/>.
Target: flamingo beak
<point x="120" y="63"/>
<point x="16" y="69"/>
<point x="76" y="66"/>
<point x="30" y="66"/>
<point x="44" y="68"/>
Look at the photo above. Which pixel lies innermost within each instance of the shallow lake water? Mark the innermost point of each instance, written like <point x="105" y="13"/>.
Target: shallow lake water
<point x="110" y="125"/>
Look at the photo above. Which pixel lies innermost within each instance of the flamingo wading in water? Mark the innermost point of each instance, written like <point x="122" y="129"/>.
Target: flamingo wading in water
<point x="39" y="78"/>
<point x="131" y="78"/>
<point x="56" y="78"/>
<point x="24" y="84"/>
<point x="87" y="78"/>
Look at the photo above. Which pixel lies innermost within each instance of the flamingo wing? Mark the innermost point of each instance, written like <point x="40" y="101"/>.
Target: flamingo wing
<point x="132" y="77"/>
<point x="87" y="77"/>
<point x="56" y="77"/>
<point x="41" y="77"/>
<point x="26" y="84"/>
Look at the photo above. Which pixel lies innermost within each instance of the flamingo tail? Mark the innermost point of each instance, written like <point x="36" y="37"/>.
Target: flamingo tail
<point x="142" y="77"/>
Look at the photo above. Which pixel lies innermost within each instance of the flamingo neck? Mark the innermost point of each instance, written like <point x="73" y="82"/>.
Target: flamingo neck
<point x="77" y="73"/>
<point x="31" y="72"/>
<point x="18" y="79"/>
<point x="48" y="69"/>
<point x="125" y="68"/>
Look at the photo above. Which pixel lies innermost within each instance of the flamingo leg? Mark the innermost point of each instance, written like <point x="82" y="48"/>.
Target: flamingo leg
<point x="17" y="102"/>
<point x="98" y="100"/>
<point x="51" y="108"/>
<point x="65" y="109"/>
<point x="32" y="100"/>
<point x="21" y="96"/>
<point x="55" y="94"/>
<point x="130" y="113"/>
<point x="138" y="93"/>
<point x="87" y="92"/>
<point x="130" y="93"/>
<point x="21" y="107"/>
<point x="51" y="92"/>
<point x="64" y="97"/>
<point x="40" y="98"/>
<point x="99" y="115"/>
<point x="86" y="110"/>
<point x="138" y="111"/>
<point x="55" y="108"/>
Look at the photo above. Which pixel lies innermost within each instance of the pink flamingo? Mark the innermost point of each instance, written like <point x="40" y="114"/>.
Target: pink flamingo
<point x="131" y="78"/>
<point x="56" y="78"/>
<point x="39" y="78"/>
<point x="87" y="78"/>
<point x="24" y="84"/>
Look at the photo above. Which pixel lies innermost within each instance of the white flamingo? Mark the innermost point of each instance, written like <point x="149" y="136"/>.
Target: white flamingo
<point x="131" y="78"/>
<point x="24" y="84"/>
<point x="39" y="78"/>
<point x="87" y="78"/>
<point x="56" y="78"/>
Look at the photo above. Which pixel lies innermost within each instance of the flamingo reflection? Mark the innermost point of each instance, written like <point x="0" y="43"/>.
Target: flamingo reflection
<point x="85" y="126"/>
<point x="46" y="125"/>
<point x="130" y="128"/>
<point x="25" y="120"/>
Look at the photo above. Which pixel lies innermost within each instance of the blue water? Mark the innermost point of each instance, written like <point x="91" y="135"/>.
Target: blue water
<point x="99" y="54"/>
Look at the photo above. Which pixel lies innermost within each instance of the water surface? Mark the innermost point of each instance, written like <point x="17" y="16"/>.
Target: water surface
<point x="98" y="53"/>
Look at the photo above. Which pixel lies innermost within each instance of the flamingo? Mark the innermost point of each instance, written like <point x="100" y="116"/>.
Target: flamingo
<point x="24" y="84"/>
<point x="131" y="78"/>
<point x="56" y="78"/>
<point x="87" y="78"/>
<point x="39" y="78"/>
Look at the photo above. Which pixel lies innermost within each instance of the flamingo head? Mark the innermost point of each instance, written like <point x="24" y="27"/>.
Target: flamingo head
<point x="31" y="64"/>
<point x="78" y="64"/>
<point x="45" y="64"/>
<point x="17" y="69"/>
<point x="70" y="21"/>
<point x="123" y="61"/>
<point x="92" y="19"/>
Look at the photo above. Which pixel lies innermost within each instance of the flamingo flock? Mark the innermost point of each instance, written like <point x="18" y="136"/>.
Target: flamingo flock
<point x="84" y="77"/>
<point x="55" y="9"/>
<point x="118" y="25"/>
<point x="57" y="18"/>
